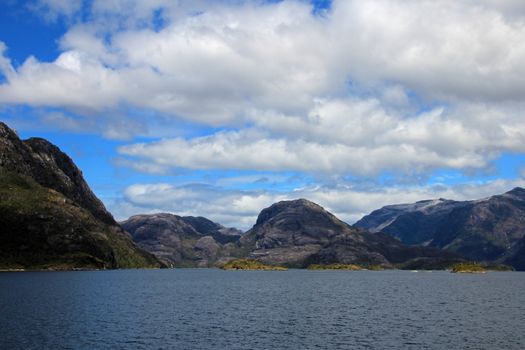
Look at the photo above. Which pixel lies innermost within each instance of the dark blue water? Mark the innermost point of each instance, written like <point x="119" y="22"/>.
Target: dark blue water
<point x="296" y="309"/>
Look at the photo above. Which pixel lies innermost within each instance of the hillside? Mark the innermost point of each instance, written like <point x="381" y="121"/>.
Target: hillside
<point x="182" y="241"/>
<point x="490" y="229"/>
<point x="50" y="218"/>
<point x="299" y="233"/>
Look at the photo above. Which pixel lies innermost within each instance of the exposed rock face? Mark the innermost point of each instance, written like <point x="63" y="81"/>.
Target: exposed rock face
<point x="183" y="241"/>
<point x="415" y="223"/>
<point x="486" y="230"/>
<point x="48" y="166"/>
<point x="299" y="233"/>
<point x="205" y="226"/>
<point x="49" y="217"/>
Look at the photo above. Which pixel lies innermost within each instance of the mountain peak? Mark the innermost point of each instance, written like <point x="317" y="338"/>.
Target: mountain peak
<point x="517" y="191"/>
<point x="44" y="162"/>
<point x="296" y="206"/>
<point x="6" y="130"/>
<point x="52" y="216"/>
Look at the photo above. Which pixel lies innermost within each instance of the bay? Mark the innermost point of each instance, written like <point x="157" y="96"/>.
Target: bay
<point x="294" y="309"/>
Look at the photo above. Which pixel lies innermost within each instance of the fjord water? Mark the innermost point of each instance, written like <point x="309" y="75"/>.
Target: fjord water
<point x="295" y="309"/>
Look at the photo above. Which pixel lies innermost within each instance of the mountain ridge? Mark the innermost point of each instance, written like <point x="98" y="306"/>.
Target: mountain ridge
<point x="182" y="240"/>
<point x="294" y="233"/>
<point x="299" y="232"/>
<point x="486" y="229"/>
<point x="50" y="218"/>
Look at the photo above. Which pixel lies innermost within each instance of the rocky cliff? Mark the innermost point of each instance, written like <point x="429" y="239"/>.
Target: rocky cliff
<point x="50" y="218"/>
<point x="487" y="230"/>
<point x="183" y="241"/>
<point x="299" y="233"/>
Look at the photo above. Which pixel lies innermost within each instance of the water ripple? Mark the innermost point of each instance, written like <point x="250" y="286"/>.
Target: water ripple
<point x="296" y="309"/>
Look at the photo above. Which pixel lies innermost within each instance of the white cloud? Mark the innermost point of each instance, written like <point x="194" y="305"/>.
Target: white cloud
<point x="341" y="136"/>
<point x="213" y="66"/>
<point x="441" y="49"/>
<point x="66" y="122"/>
<point x="338" y="93"/>
<point x="240" y="208"/>
<point x="230" y="208"/>
<point x="51" y="10"/>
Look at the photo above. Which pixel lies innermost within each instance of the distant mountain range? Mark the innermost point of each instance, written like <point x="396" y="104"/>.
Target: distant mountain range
<point x="490" y="229"/>
<point x="299" y="233"/>
<point x="290" y="233"/>
<point x="49" y="217"/>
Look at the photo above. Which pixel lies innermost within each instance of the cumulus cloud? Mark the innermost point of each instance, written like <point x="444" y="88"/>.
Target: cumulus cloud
<point x="368" y="86"/>
<point x="442" y="49"/>
<point x="208" y="68"/>
<point x="212" y="65"/>
<point x="340" y="137"/>
<point x="51" y="10"/>
<point x="240" y="208"/>
<point x="66" y="122"/>
<point x="228" y="207"/>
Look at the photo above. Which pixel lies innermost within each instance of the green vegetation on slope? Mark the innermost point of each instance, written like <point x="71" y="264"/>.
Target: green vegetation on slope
<point x="468" y="267"/>
<point x="42" y="229"/>
<point x="250" y="264"/>
<point x="350" y="267"/>
<point x="498" y="267"/>
<point x="472" y="267"/>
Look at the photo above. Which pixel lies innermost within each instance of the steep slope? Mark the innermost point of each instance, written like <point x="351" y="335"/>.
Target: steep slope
<point x="415" y="223"/>
<point x="486" y="229"/>
<point x="516" y="256"/>
<point x="299" y="233"/>
<point x="48" y="166"/>
<point x="182" y="241"/>
<point x="49" y="217"/>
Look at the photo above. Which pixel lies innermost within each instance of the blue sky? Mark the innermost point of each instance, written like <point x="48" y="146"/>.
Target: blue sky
<point x="220" y="108"/>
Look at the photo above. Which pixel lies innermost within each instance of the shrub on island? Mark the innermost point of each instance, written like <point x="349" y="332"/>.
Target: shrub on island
<point x="348" y="267"/>
<point x="250" y="264"/>
<point x="468" y="267"/>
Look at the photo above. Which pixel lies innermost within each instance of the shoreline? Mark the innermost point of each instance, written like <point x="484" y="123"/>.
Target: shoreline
<point x="222" y="269"/>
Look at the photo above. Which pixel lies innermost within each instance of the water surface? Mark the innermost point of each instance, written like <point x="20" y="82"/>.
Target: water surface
<point x="295" y="309"/>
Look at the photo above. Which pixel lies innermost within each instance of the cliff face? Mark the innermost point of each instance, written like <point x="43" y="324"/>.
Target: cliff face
<point x="51" y="168"/>
<point x="183" y="241"/>
<point x="299" y="233"/>
<point x="487" y="229"/>
<point x="50" y="218"/>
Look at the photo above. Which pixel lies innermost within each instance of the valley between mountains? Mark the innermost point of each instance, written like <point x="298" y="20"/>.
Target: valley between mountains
<point x="50" y="219"/>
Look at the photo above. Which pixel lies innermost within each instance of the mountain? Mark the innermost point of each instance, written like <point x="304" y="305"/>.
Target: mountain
<point x="490" y="229"/>
<point x="50" y="218"/>
<point x="299" y="233"/>
<point x="516" y="257"/>
<point x="182" y="241"/>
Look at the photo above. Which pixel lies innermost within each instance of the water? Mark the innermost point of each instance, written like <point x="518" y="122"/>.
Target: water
<point x="296" y="309"/>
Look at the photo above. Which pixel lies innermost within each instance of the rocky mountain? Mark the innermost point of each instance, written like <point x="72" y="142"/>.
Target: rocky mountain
<point x="50" y="218"/>
<point x="183" y="241"/>
<point x="490" y="229"/>
<point x="299" y="233"/>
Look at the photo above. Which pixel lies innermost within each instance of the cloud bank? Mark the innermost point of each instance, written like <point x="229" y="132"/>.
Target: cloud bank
<point x="406" y="85"/>
<point x="240" y="208"/>
<point x="361" y="89"/>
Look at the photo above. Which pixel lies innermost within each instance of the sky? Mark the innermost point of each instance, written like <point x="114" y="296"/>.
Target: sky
<point x="221" y="108"/>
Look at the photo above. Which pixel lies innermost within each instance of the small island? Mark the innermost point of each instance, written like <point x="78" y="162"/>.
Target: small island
<point x="468" y="267"/>
<point x="250" y="264"/>
<point x="348" y="267"/>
